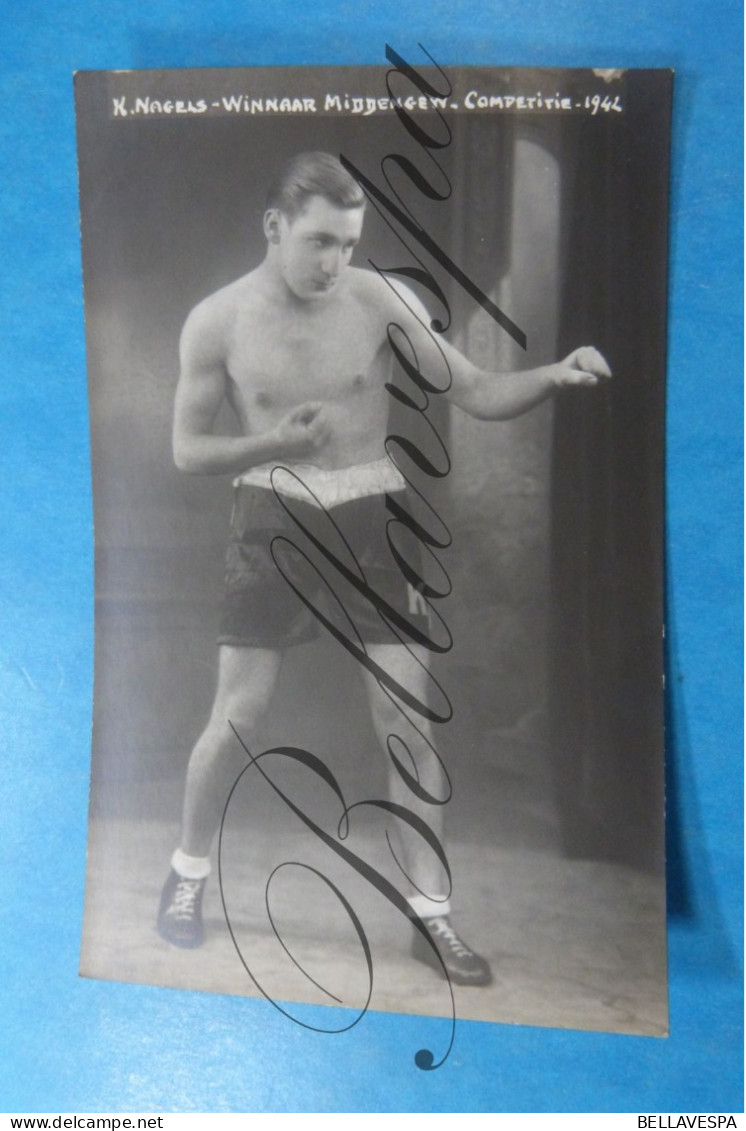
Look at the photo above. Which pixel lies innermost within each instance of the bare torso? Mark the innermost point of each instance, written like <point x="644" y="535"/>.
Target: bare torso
<point x="279" y="356"/>
<point x="299" y="348"/>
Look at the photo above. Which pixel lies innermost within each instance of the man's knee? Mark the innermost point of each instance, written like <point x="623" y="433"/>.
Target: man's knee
<point x="390" y="718"/>
<point x="246" y="682"/>
<point x="241" y="709"/>
<point x="387" y="715"/>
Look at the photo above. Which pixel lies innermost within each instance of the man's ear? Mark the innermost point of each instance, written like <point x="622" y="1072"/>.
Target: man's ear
<point x="272" y="225"/>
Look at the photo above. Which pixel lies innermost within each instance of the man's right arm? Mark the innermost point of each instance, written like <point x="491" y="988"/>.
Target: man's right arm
<point x="201" y="390"/>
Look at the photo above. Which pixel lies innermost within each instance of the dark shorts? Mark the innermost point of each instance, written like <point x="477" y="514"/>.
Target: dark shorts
<point x="293" y="568"/>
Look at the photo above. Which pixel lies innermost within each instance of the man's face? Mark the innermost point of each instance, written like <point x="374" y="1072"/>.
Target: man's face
<point x="316" y="246"/>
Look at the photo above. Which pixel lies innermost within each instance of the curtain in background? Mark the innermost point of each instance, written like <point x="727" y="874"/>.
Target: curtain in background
<point x="607" y="511"/>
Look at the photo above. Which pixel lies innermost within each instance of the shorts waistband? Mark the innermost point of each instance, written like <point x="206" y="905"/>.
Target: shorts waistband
<point x="323" y="486"/>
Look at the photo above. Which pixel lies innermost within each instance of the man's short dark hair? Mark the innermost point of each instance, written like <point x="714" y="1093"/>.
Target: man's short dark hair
<point x="313" y="174"/>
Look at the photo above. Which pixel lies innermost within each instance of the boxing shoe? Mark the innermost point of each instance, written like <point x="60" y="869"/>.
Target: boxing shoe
<point x="463" y="966"/>
<point x="180" y="912"/>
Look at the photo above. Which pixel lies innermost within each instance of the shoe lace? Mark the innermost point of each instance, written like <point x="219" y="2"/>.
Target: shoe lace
<point x="443" y="929"/>
<point x="185" y="898"/>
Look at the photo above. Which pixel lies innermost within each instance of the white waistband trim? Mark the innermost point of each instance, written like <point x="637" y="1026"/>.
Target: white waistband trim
<point x="323" y="486"/>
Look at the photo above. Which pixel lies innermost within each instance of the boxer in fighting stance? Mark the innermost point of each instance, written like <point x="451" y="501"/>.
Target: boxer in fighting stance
<point x="301" y="348"/>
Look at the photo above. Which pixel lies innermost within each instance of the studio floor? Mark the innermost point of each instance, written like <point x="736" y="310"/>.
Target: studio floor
<point x="572" y="943"/>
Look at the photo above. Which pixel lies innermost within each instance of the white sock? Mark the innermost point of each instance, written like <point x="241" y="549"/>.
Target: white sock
<point x="426" y="908"/>
<point x="191" y="867"/>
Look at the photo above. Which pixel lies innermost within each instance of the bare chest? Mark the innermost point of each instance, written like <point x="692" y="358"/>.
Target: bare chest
<point x="276" y="363"/>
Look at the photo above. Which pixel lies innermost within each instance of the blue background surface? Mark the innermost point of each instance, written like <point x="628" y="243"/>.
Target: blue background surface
<point x="74" y="1045"/>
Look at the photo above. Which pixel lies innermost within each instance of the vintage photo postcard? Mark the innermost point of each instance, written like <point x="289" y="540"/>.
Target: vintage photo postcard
<point x="376" y="362"/>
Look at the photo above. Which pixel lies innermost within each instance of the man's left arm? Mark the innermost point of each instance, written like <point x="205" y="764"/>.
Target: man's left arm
<point x="502" y="396"/>
<point x="479" y="392"/>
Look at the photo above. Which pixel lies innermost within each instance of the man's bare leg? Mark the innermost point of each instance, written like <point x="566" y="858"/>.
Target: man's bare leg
<point x="392" y="719"/>
<point x="416" y="749"/>
<point x="246" y="681"/>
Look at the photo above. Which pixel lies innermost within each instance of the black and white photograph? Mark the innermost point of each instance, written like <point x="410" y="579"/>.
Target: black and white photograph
<point x="376" y="362"/>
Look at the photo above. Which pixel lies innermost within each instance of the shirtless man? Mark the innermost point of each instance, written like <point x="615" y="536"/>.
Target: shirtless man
<point x="299" y="348"/>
